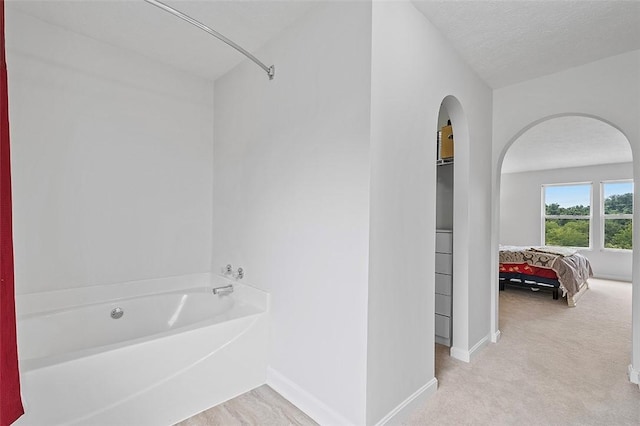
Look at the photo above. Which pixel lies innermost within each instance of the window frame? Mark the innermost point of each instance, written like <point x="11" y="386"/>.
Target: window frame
<point x="543" y="227"/>
<point x="604" y="216"/>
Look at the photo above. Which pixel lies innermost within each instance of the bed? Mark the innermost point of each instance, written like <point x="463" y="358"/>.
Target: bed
<point x="545" y="268"/>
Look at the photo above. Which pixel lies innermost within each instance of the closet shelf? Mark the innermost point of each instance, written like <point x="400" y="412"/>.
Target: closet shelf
<point x="444" y="161"/>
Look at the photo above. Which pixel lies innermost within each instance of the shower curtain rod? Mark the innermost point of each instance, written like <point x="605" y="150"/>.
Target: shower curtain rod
<point x="269" y="70"/>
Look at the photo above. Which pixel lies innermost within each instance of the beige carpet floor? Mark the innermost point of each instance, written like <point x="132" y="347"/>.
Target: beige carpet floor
<point x="554" y="365"/>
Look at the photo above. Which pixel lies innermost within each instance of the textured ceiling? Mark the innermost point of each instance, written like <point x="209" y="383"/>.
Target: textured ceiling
<point x="144" y="28"/>
<point x="507" y="42"/>
<point x="567" y="142"/>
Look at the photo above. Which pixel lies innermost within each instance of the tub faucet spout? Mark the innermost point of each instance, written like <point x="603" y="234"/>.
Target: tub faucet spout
<point x="223" y="290"/>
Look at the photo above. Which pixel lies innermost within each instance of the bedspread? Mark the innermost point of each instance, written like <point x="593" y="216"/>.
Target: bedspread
<point x="572" y="268"/>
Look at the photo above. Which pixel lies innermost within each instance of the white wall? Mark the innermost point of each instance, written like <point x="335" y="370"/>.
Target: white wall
<point x="111" y="162"/>
<point x="291" y="190"/>
<point x="608" y="89"/>
<point x="520" y="212"/>
<point x="413" y="69"/>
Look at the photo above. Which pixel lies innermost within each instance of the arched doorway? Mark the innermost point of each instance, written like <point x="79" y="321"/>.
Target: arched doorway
<point x="587" y="151"/>
<point x="452" y="215"/>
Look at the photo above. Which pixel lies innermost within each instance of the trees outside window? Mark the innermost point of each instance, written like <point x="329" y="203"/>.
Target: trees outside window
<point x="567" y="215"/>
<point x="617" y="214"/>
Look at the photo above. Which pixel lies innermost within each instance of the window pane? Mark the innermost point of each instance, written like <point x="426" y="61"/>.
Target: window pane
<point x="572" y="200"/>
<point x="566" y="232"/>
<point x="618" y="234"/>
<point x="618" y="197"/>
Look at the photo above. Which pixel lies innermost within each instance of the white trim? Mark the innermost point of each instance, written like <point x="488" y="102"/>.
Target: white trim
<point x="467" y="356"/>
<point x="401" y="413"/>
<point x="459" y="354"/>
<point x="634" y="375"/>
<point x="624" y="278"/>
<point x="495" y="337"/>
<point x="442" y="341"/>
<point x="545" y="216"/>
<point x="604" y="216"/>
<point x="309" y="404"/>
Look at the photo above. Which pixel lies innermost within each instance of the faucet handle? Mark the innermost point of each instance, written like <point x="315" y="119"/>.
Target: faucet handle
<point x="240" y="273"/>
<point x="228" y="269"/>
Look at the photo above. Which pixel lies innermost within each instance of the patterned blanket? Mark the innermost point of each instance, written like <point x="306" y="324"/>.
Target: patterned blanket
<point x="572" y="268"/>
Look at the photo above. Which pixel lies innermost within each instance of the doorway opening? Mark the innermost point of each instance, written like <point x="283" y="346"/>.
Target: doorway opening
<point x="567" y="181"/>
<point x="444" y="235"/>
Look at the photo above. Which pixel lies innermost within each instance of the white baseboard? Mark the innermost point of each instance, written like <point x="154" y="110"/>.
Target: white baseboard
<point x="443" y="341"/>
<point x="624" y="278"/>
<point x="467" y="356"/>
<point x="460" y="354"/>
<point x="495" y="337"/>
<point x="302" y="399"/>
<point x="634" y="375"/>
<point x="401" y="413"/>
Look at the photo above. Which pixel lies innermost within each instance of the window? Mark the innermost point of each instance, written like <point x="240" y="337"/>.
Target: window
<point x="617" y="214"/>
<point x="567" y="215"/>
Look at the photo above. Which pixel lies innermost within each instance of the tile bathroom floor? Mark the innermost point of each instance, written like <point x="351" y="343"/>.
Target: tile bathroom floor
<point x="260" y="406"/>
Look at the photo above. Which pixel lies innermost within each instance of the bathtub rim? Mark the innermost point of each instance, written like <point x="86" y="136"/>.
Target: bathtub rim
<point x="59" y="310"/>
<point x="31" y="365"/>
<point x="37" y="302"/>
<point x="140" y="402"/>
<point x="249" y="300"/>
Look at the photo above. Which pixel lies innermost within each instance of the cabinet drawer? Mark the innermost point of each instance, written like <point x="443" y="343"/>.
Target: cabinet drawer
<point x="444" y="242"/>
<point x="443" y="326"/>
<point x="443" y="305"/>
<point x="443" y="284"/>
<point x="443" y="263"/>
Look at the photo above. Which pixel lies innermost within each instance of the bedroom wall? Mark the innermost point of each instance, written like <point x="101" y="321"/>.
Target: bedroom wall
<point x="608" y="89"/>
<point x="111" y="161"/>
<point x="520" y="210"/>
<point x="408" y="86"/>
<point x="291" y="186"/>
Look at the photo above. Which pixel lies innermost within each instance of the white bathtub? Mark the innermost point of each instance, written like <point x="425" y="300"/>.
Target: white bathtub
<point x="177" y="349"/>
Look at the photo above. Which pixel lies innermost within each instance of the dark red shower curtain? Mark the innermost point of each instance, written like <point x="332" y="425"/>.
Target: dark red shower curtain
<point x="10" y="402"/>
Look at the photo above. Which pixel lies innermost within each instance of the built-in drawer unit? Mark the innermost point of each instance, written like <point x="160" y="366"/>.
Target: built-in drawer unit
<point x="444" y="242"/>
<point x="444" y="263"/>
<point x="443" y="305"/>
<point x="444" y="284"/>
<point x="443" y="328"/>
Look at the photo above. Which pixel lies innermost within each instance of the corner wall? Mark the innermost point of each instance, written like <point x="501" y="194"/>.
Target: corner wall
<point x="413" y="69"/>
<point x="291" y="194"/>
<point x="111" y="161"/>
